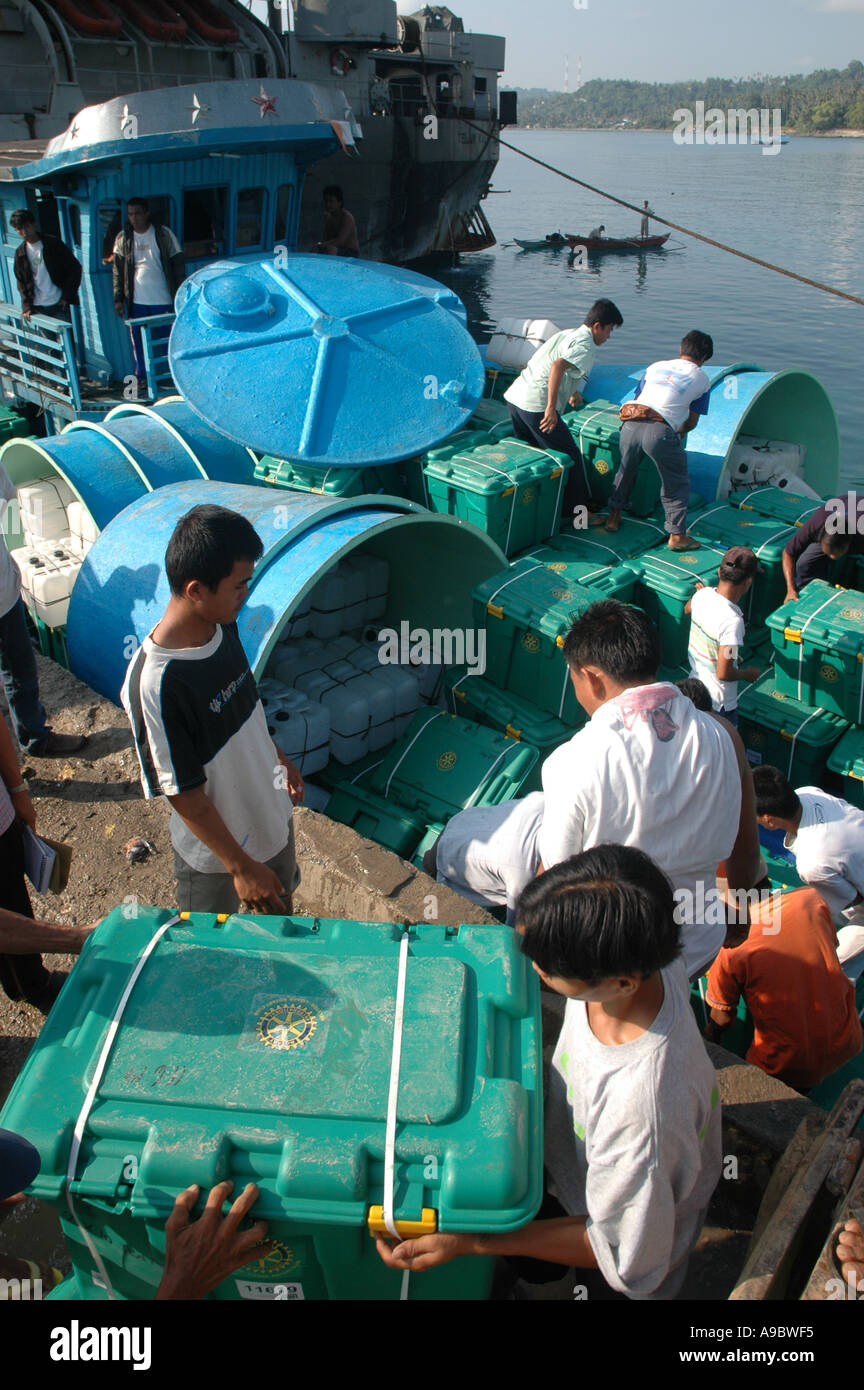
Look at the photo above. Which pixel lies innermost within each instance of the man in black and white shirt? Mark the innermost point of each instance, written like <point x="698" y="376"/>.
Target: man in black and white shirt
<point x="200" y="730"/>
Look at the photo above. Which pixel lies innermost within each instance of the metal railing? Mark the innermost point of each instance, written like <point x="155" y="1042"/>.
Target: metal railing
<point x="155" y="331"/>
<point x="37" y="357"/>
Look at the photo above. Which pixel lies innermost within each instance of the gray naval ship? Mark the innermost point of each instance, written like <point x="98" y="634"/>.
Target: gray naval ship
<point x="421" y="93"/>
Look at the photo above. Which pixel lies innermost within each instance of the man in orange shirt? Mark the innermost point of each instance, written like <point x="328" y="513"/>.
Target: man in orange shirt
<point x="803" y="1006"/>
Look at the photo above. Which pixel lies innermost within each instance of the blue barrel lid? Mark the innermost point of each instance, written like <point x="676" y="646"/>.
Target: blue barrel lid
<point x="325" y="360"/>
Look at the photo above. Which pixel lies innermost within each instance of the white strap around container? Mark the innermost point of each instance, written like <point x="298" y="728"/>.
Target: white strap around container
<point x="829" y="599"/>
<point x="81" y="1122"/>
<point x="392" y="1102"/>
<point x="439" y="715"/>
<point x="795" y="738"/>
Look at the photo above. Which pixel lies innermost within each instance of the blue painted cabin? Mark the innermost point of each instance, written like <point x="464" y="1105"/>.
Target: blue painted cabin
<point x="222" y="164"/>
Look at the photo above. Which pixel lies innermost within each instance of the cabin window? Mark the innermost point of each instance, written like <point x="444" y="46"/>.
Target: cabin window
<point x="479" y="84"/>
<point x="75" y="225"/>
<point x="284" y="206"/>
<point x="250" y="217"/>
<point x="204" y="211"/>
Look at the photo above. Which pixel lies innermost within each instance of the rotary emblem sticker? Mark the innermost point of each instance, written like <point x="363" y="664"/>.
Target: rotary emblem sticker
<point x="601" y="467"/>
<point x="829" y="673"/>
<point x="688" y="559"/>
<point x="854" y="614"/>
<point x="446" y="761"/>
<point x="562" y="593"/>
<point x="286" y="1024"/>
<point x="559" y="566"/>
<point x="531" y="642"/>
<point x="527" y="496"/>
<point x="280" y="1260"/>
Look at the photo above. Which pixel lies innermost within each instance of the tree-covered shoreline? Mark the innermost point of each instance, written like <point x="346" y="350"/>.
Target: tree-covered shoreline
<point x="828" y="100"/>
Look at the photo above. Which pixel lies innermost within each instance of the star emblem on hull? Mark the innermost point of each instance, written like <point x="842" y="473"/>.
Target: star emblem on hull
<point x="264" y="103"/>
<point x="197" y="109"/>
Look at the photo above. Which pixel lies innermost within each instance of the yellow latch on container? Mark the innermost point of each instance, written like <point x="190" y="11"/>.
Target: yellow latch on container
<point x="495" y="610"/>
<point x="559" y="640"/>
<point x="426" y="1226"/>
<point x="511" y="732"/>
<point x="791" y="634"/>
<point x="220" y="916"/>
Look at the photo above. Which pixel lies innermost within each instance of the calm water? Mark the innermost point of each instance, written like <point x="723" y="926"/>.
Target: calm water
<point x="800" y="208"/>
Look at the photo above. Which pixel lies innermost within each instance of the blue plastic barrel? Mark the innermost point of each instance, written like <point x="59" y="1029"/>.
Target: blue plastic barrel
<point x="121" y="591"/>
<point x="325" y="360"/>
<point x="212" y="454"/>
<point x="790" y="405"/>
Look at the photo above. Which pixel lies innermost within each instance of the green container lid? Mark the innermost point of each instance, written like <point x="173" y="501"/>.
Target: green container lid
<point x="330" y="482"/>
<point x="673" y="573"/>
<point x="782" y="731"/>
<point x="777" y="503"/>
<point x="596" y="423"/>
<point x="819" y="648"/>
<point x="459" y="443"/>
<point x="260" y="1049"/>
<point x="728" y="526"/>
<point x="496" y="469"/>
<point x="847" y="759"/>
<point x="477" y="698"/>
<point x="599" y="547"/>
<point x="510" y="490"/>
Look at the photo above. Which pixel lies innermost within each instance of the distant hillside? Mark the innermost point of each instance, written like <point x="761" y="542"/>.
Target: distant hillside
<point x="831" y="99"/>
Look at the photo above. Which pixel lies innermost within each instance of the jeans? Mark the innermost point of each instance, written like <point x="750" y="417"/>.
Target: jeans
<point x="143" y="311"/>
<point x="526" y="426"/>
<point x="18" y="669"/>
<point x="663" y="446"/>
<point x="54" y="312"/>
<point x="730" y="714"/>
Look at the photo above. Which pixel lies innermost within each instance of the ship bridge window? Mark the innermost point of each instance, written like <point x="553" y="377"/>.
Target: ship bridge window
<point x="480" y="84"/>
<point x="250" y="217"/>
<point x="112" y="220"/>
<point x="284" y="206"/>
<point x="204" y="212"/>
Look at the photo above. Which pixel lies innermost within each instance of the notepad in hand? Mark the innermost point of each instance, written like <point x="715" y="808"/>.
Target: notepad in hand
<point x="38" y="860"/>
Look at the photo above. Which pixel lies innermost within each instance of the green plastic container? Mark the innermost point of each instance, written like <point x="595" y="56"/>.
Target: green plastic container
<point x="527" y="611"/>
<point x="511" y="490"/>
<point x="599" y="547"/>
<point x="51" y="641"/>
<point x="13" y="425"/>
<point x="596" y="428"/>
<point x="777" y="504"/>
<point x="475" y="697"/>
<point x="440" y="765"/>
<point x="847" y="760"/>
<point x="787" y="734"/>
<point x="260" y="1049"/>
<point x="781" y="872"/>
<point x="330" y="482"/>
<point x="819" y="649"/>
<point x="725" y="526"/>
<point x="665" y="582"/>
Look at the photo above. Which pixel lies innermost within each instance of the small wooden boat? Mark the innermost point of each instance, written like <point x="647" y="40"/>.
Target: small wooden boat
<point x="555" y="242"/>
<point x="611" y="243"/>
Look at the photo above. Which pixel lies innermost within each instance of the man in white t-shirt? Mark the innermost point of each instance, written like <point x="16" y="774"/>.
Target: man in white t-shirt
<point x="648" y="770"/>
<point x="489" y="853"/>
<point x="670" y="398"/>
<point x="148" y="268"/>
<point x="717" y="631"/>
<point x="826" y="835"/>
<point x="48" y="274"/>
<point x="553" y="379"/>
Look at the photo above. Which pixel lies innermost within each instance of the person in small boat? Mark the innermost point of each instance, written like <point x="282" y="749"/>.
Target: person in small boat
<point x="597" y="233"/>
<point x="148" y="268"/>
<point x="340" y="229"/>
<point x="649" y="770"/>
<point x="825" y="538"/>
<point x="826" y="836"/>
<point x="803" y="1006"/>
<point x="644" y="228"/>
<point x="632" y="1147"/>
<point x="717" y="631"/>
<point x="552" y="380"/>
<point x="669" y="401"/>
<point x="48" y="274"/>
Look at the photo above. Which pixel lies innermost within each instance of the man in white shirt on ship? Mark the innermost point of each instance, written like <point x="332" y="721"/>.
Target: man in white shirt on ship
<point x="48" y="274"/>
<point x="554" y="378"/>
<point x="717" y="631"/>
<point x="826" y="836"/>
<point x="651" y="771"/>
<point x="670" y="398"/>
<point x="148" y="268"/>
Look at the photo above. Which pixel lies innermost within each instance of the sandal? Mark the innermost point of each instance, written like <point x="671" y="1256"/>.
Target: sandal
<point x="686" y="543"/>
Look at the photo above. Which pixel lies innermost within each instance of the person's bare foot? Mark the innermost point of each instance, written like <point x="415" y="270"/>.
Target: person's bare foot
<point x="613" y="520"/>
<point x="680" y="541"/>
<point x="850" y="1251"/>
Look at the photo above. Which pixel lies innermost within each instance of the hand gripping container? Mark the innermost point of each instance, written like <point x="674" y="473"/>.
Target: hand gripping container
<point x="818" y="644"/>
<point x="847" y="761"/>
<point x="784" y="733"/>
<point x="261" y="1049"/>
<point x="527" y="611"/>
<point x="441" y="765"/>
<point x="596" y="428"/>
<point x="665" y="581"/>
<point x="725" y="526"/>
<point x="512" y="491"/>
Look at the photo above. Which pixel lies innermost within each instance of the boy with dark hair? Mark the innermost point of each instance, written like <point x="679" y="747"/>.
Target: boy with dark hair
<point x="200" y="729"/>
<point x="669" y="400"/>
<point x="826" y="836"/>
<point x="48" y="274"/>
<point x="717" y="631"/>
<point x="633" y="1134"/>
<point x="554" y="378"/>
<point x="648" y="770"/>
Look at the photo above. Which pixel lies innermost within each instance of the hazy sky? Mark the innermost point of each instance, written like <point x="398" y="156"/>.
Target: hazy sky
<point x="665" y="40"/>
